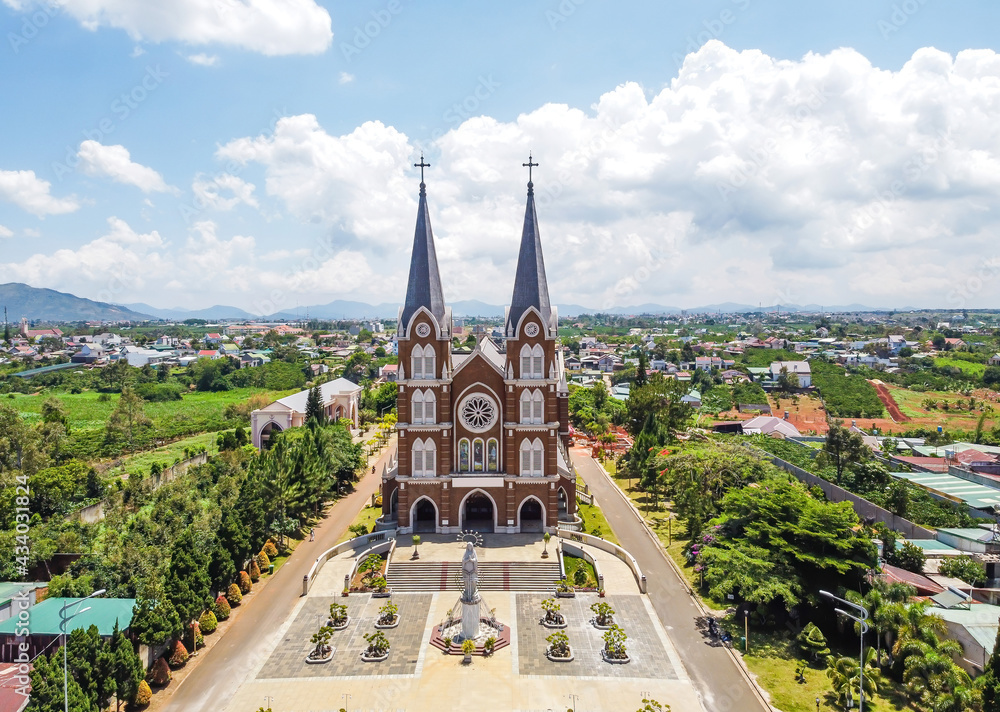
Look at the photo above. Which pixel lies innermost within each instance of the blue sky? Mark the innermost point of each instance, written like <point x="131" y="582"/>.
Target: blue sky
<point x="307" y="210"/>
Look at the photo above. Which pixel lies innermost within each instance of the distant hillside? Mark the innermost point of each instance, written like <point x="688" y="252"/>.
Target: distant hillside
<point x="49" y="305"/>
<point x="219" y="311"/>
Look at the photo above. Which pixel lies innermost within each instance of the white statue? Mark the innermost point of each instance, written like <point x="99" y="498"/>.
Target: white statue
<point x="470" y="574"/>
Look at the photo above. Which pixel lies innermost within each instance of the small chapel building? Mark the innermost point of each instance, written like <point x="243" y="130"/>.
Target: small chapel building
<point x="340" y="398"/>
<point x="483" y="437"/>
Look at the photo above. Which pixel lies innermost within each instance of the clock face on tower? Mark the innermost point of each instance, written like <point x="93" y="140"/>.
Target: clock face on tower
<point x="478" y="413"/>
<point x="423" y="330"/>
<point x="531" y="329"/>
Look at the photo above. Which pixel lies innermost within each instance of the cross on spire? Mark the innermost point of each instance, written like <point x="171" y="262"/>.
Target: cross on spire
<point x="529" y="165"/>
<point x="421" y="166"/>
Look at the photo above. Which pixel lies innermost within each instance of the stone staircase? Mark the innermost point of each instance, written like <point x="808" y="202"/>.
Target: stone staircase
<point x="414" y="576"/>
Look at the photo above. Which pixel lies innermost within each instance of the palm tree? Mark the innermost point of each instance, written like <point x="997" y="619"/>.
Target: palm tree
<point x="283" y="493"/>
<point x="844" y="676"/>
<point x="884" y="602"/>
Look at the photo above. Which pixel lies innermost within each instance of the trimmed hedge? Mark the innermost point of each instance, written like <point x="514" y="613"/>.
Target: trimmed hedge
<point x="263" y="561"/>
<point x="159" y="674"/>
<point x="143" y="696"/>
<point x="222" y="609"/>
<point x="245" y="583"/>
<point x="254" y="572"/>
<point x="270" y="549"/>
<point x="179" y="656"/>
<point x="233" y="595"/>
<point x="208" y="622"/>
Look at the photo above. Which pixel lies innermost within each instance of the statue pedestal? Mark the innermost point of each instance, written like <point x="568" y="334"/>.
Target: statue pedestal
<point x="470" y="620"/>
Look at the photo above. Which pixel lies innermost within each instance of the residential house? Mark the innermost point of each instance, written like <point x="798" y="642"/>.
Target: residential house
<point x="390" y="372"/>
<point x="209" y="353"/>
<point x="213" y="338"/>
<point x="139" y="357"/>
<point x="799" y="368"/>
<point x="769" y="425"/>
<point x="90" y="353"/>
<point x="693" y="399"/>
<point x="607" y="363"/>
<point x="995" y="360"/>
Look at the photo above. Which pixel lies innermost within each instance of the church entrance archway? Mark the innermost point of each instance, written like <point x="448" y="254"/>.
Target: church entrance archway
<point x="478" y="513"/>
<point x="424" y="516"/>
<point x="266" y="433"/>
<point x="394" y="504"/>
<point x="531" y="517"/>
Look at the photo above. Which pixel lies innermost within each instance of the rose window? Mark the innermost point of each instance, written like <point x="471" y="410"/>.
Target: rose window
<point x="479" y="413"/>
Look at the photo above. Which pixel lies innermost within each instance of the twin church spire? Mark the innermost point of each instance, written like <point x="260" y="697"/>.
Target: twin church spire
<point x="424" y="286"/>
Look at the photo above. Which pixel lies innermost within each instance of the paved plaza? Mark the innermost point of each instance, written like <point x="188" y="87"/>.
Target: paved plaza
<point x="420" y="678"/>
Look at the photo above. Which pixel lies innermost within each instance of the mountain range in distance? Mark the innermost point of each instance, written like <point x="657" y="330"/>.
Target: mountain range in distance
<point x="39" y="304"/>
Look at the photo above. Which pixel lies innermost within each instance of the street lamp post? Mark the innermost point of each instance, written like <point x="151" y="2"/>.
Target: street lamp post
<point x="862" y="619"/>
<point x="63" y="620"/>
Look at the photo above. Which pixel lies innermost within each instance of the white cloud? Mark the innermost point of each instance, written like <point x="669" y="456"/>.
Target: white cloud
<point x="6" y="231"/>
<point x="31" y="193"/>
<point x="345" y="78"/>
<point x="204" y="60"/>
<point x="32" y="232"/>
<point x="208" y="192"/>
<point x="271" y="27"/>
<point x="115" y="162"/>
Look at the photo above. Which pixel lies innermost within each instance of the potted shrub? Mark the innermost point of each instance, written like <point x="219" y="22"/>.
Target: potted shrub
<point x="378" y="647"/>
<point x="553" y="618"/>
<point x="489" y="645"/>
<point x="468" y="648"/>
<point x="338" y="616"/>
<point x="604" y="615"/>
<point x="323" y="651"/>
<point x="447" y="645"/>
<point x="545" y="551"/>
<point x="559" y="650"/>
<point x="614" y="650"/>
<point x="380" y="589"/>
<point x="564" y="589"/>
<point x="388" y="616"/>
<point x="346" y="592"/>
<point x="416" y="543"/>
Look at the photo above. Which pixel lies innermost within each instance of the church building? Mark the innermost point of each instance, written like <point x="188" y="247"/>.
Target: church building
<point x="483" y="436"/>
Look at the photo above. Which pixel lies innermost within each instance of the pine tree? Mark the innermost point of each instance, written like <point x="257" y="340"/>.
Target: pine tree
<point x="188" y="585"/>
<point x="314" y="406"/>
<point x="91" y="663"/>
<point x="154" y="620"/>
<point x="128" y="423"/>
<point x="128" y="668"/>
<point x="47" y="686"/>
<point x="640" y="372"/>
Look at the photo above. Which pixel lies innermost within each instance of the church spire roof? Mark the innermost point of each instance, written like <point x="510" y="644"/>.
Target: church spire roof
<point x="530" y="286"/>
<point x="424" y="286"/>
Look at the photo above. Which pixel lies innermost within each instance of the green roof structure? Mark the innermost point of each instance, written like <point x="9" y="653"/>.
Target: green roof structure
<point x="103" y="613"/>
<point x="954" y="488"/>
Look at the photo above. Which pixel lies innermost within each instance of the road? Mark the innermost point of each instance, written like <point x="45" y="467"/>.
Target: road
<point x="223" y="669"/>
<point x="717" y="677"/>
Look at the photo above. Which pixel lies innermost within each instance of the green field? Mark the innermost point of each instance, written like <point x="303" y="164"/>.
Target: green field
<point x="166" y="455"/>
<point x="970" y="368"/>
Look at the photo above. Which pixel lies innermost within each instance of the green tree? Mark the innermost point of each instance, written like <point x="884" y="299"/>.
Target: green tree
<point x="91" y="663"/>
<point x="128" y="668"/>
<point x="788" y="381"/>
<point x="964" y="568"/>
<point x="53" y="411"/>
<point x="128" y="425"/>
<point x="188" y="583"/>
<point x="812" y="642"/>
<point x="640" y="372"/>
<point x="842" y="449"/>
<point x="47" y="687"/>
<point x="661" y="397"/>
<point x="314" y="406"/>
<point x="155" y="620"/>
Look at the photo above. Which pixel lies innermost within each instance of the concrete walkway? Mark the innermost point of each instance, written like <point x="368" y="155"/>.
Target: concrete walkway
<point x="719" y="679"/>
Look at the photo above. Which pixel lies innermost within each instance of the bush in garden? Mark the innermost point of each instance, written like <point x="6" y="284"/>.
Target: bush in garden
<point x="143" y="696"/>
<point x="245" y="583"/>
<point x="208" y="622"/>
<point x="222" y="609"/>
<point x="254" y="572"/>
<point x="179" y="655"/>
<point x="263" y="561"/>
<point x="233" y="595"/>
<point x="159" y="674"/>
<point x="270" y="549"/>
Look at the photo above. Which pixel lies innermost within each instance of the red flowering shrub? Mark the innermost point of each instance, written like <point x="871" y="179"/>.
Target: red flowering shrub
<point x="179" y="656"/>
<point x="245" y="583"/>
<point x="159" y="674"/>
<point x="222" y="609"/>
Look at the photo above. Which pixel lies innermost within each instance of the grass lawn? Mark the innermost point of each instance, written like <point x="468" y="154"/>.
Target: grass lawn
<point x="774" y="658"/>
<point x="594" y="522"/>
<point x="573" y="563"/>
<point x="366" y="517"/>
<point x="969" y="367"/>
<point x="140" y="463"/>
